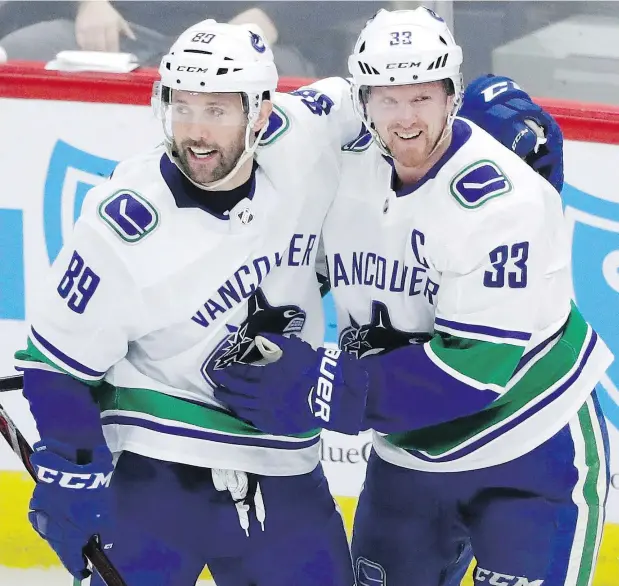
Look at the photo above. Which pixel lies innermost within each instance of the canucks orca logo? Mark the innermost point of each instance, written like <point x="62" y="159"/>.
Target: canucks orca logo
<point x="239" y="345"/>
<point x="594" y="225"/>
<point x="378" y="336"/>
<point x="71" y="174"/>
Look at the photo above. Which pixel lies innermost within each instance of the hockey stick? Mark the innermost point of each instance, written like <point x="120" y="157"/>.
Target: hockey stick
<point x="93" y="552"/>
<point x="12" y="383"/>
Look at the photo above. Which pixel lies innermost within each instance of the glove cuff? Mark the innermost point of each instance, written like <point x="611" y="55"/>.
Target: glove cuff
<point x="100" y="456"/>
<point x="64" y="409"/>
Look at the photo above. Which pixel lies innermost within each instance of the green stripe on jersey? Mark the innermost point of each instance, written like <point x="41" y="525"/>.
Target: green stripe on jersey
<point x="539" y="377"/>
<point x="32" y="354"/>
<point x="156" y="404"/>
<point x="485" y="362"/>
<point x="593" y="456"/>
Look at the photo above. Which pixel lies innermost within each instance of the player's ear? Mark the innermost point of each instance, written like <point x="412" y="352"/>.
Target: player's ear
<point x="265" y="111"/>
<point x="450" y="102"/>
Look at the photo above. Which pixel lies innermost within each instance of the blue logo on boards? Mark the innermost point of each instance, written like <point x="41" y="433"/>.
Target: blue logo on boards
<point x="594" y="225"/>
<point x="12" y="282"/>
<point x="66" y="185"/>
<point x="71" y="173"/>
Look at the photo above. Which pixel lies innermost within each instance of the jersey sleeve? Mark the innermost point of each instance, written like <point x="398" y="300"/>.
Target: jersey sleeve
<point x="344" y="123"/>
<point x="324" y="109"/>
<point x="487" y="309"/>
<point x="85" y="311"/>
<point x="485" y="319"/>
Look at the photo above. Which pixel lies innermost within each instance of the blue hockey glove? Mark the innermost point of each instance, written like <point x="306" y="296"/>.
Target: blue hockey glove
<point x="506" y="112"/>
<point x="308" y="389"/>
<point x="71" y="502"/>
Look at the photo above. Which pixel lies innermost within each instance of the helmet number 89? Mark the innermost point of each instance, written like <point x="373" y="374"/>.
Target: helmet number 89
<point x="203" y="38"/>
<point x="401" y="38"/>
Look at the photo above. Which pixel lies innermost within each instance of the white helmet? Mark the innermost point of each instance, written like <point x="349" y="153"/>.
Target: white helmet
<point x="404" y="47"/>
<point x="218" y="57"/>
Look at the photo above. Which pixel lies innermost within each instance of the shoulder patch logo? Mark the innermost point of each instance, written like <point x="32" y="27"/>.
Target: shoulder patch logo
<point x="479" y="182"/>
<point x="359" y="144"/>
<point x="278" y="125"/>
<point x="129" y="215"/>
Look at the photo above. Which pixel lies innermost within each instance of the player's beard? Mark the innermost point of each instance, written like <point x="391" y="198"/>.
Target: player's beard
<point x="414" y="153"/>
<point x="207" y="172"/>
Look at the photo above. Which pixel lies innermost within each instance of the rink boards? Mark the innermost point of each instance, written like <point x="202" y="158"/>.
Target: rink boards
<point x="55" y="150"/>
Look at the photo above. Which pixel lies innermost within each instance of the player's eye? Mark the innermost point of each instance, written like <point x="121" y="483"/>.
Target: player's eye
<point x="181" y="109"/>
<point x="215" y="112"/>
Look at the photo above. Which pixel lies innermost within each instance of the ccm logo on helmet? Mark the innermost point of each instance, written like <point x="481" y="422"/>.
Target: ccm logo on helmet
<point x="192" y="69"/>
<point x="404" y="65"/>
<point x="324" y="386"/>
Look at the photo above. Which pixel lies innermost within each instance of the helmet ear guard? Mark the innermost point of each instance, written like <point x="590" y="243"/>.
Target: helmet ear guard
<point x="212" y="57"/>
<point x="156" y="99"/>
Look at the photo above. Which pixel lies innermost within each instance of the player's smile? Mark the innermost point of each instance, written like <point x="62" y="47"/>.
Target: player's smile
<point x="408" y="136"/>
<point x="408" y="141"/>
<point x="201" y="157"/>
<point x="202" y="154"/>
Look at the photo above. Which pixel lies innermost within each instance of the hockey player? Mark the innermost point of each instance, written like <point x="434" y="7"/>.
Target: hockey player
<point x="459" y="344"/>
<point x="174" y="266"/>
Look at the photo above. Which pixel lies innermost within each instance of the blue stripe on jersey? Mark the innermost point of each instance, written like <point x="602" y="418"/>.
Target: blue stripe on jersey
<point x="535" y="351"/>
<point x="63" y="358"/>
<point x="486" y="330"/>
<point x="175" y="430"/>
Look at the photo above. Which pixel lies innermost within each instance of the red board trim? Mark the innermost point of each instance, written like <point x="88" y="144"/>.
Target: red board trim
<point x="27" y="80"/>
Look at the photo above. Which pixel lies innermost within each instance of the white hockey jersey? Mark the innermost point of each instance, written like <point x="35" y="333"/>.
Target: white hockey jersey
<point x="476" y="255"/>
<point x="152" y="291"/>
